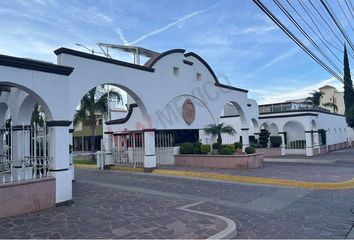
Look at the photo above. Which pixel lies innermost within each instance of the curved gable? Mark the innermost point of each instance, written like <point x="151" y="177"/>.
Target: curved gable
<point x="200" y="59"/>
<point x="152" y="61"/>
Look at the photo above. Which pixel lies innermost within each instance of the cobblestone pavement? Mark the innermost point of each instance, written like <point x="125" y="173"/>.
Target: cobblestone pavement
<point x="112" y="204"/>
<point x="342" y="170"/>
<point x="105" y="212"/>
<point x="259" y="211"/>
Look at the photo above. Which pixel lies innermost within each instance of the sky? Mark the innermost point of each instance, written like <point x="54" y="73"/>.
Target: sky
<point x="238" y="41"/>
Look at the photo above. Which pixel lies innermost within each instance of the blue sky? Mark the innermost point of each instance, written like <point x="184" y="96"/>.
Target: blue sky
<point x="234" y="37"/>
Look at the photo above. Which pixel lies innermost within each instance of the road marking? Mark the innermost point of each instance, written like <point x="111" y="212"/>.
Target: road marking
<point x="229" y="232"/>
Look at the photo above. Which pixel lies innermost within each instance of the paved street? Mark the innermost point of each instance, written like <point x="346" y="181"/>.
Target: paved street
<point x="112" y="204"/>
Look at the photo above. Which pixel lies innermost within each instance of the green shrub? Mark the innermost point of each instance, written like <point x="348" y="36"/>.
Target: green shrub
<point x="215" y="146"/>
<point x="253" y="140"/>
<point x="238" y="145"/>
<point x="275" y="141"/>
<point x="186" y="148"/>
<point x="205" y="148"/>
<point x="250" y="150"/>
<point x="254" y="145"/>
<point x="226" y="151"/>
<point x="197" y="147"/>
<point x="196" y="150"/>
<point x="230" y="146"/>
<point x="197" y="144"/>
<point x="263" y="138"/>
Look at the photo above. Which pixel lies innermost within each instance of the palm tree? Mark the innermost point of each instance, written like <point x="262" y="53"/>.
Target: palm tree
<point x="94" y="103"/>
<point x="218" y="129"/>
<point x="37" y="115"/>
<point x="332" y="105"/>
<point x="315" y="98"/>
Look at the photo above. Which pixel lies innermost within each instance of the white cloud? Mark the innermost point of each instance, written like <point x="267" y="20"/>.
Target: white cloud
<point x="177" y="22"/>
<point x="121" y="36"/>
<point x="276" y="60"/>
<point x="275" y="95"/>
<point x="254" y="30"/>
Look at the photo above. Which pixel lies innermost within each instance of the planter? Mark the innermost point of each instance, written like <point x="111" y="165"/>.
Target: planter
<point x="27" y="196"/>
<point x="220" y="161"/>
<point x="269" y="152"/>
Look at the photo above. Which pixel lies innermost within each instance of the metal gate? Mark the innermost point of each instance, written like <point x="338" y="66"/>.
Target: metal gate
<point x="128" y="149"/>
<point x="32" y="150"/>
<point x="164" y="149"/>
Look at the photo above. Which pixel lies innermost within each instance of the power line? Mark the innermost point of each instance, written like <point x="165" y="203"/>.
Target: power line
<point x="307" y="12"/>
<point x="295" y="39"/>
<point x="334" y="18"/>
<point x="335" y="34"/>
<point x="313" y="18"/>
<point x="319" y="13"/>
<point x="350" y="10"/>
<point x="351" y="5"/>
<point x="281" y="7"/>
<point x="345" y="15"/>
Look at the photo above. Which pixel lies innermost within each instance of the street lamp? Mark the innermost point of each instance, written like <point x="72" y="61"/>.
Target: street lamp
<point x="91" y="50"/>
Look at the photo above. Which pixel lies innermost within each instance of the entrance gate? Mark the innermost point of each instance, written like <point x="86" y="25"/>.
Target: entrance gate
<point x="29" y="162"/>
<point x="128" y="149"/>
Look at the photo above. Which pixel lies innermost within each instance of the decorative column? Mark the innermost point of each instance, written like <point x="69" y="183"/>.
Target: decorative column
<point x="149" y="150"/>
<point x="71" y="162"/>
<point x="2" y="141"/>
<point x="245" y="138"/>
<point x="59" y="139"/>
<point x="282" y="146"/>
<point x="316" y="142"/>
<point x="309" y="145"/>
<point x="108" y="144"/>
<point x="17" y="146"/>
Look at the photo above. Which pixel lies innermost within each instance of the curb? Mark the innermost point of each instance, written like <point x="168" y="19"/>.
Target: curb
<point x="258" y="180"/>
<point x="79" y="165"/>
<point x="126" y="169"/>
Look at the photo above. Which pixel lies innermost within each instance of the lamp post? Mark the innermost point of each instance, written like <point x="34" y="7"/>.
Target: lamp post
<point x="91" y="50"/>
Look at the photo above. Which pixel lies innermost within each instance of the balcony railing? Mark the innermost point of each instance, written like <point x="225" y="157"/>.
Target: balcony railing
<point x="289" y="107"/>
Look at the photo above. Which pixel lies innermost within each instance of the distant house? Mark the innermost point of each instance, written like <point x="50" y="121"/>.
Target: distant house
<point x="82" y="136"/>
<point x="331" y="95"/>
<point x="82" y="132"/>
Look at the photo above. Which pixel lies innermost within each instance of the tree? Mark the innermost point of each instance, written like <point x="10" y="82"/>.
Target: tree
<point x="263" y="138"/>
<point x="37" y="115"/>
<point x="315" y="98"/>
<point x="217" y="130"/>
<point x="332" y="105"/>
<point x="349" y="116"/>
<point x="348" y="91"/>
<point x="94" y="103"/>
<point x="8" y="122"/>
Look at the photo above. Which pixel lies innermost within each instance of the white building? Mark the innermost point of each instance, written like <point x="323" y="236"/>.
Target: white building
<point x="173" y="91"/>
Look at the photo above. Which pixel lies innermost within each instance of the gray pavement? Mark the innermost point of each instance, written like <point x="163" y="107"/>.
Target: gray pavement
<point x="112" y="204"/>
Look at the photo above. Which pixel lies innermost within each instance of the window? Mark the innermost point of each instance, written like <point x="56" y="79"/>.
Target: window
<point x="199" y="76"/>
<point x="175" y="71"/>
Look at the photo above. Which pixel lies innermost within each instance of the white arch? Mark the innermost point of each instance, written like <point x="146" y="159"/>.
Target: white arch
<point x="295" y="130"/>
<point x="273" y="129"/>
